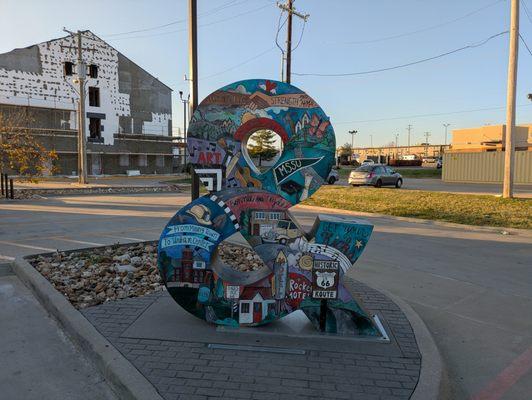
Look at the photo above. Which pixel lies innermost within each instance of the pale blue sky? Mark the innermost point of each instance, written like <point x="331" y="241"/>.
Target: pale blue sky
<point x="232" y="32"/>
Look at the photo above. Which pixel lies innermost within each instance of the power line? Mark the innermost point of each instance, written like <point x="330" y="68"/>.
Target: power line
<point x="470" y="46"/>
<point x="527" y="11"/>
<point x="427" y="115"/>
<point x="204" y="25"/>
<point x="179" y="21"/>
<point x="382" y="39"/>
<point x="526" y="45"/>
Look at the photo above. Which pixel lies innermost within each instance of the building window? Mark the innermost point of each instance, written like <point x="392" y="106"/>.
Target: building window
<point x="94" y="96"/>
<point x="159" y="161"/>
<point x="93" y="71"/>
<point x="244" y="308"/>
<point x="95" y="129"/>
<point x="68" y="68"/>
<point x="123" y="160"/>
<point x="143" y="160"/>
<point x="275" y="215"/>
<point x="259" y="215"/>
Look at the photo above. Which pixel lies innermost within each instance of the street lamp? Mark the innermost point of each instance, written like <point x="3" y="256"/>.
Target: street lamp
<point x="185" y="102"/>
<point x="353" y="133"/>
<point x="446" y="126"/>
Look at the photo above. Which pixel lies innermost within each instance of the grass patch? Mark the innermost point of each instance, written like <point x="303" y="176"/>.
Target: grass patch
<point x="406" y="172"/>
<point x="458" y="208"/>
<point x="420" y="172"/>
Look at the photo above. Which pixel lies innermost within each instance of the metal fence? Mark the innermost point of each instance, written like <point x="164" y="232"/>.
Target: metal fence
<point x="485" y="167"/>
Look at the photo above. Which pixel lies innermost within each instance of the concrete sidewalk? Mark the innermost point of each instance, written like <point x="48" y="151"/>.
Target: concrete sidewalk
<point x="37" y="361"/>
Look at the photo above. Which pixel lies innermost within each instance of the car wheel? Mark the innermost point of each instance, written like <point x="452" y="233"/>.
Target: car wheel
<point x="399" y="183"/>
<point x="332" y="180"/>
<point x="354" y="185"/>
<point x="378" y="184"/>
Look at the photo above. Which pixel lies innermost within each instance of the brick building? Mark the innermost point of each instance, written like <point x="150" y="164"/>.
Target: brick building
<point x="128" y="111"/>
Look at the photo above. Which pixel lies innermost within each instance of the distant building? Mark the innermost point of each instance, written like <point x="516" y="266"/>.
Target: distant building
<point x="490" y="138"/>
<point x="128" y="111"/>
<point x="385" y="153"/>
<point x="477" y="155"/>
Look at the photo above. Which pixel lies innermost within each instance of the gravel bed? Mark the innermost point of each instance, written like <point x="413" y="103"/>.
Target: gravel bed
<point x="240" y="258"/>
<point x="94" y="276"/>
<point x="21" y="194"/>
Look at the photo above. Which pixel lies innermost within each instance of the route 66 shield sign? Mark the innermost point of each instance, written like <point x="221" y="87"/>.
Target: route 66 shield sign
<point x="325" y="276"/>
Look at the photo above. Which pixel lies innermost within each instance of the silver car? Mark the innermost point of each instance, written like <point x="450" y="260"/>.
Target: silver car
<point x="375" y="175"/>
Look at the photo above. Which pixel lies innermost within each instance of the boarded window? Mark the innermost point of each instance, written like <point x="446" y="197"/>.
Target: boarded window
<point x="94" y="96"/>
<point x="143" y="160"/>
<point x="93" y="71"/>
<point x="159" y="161"/>
<point x="68" y="67"/>
<point x="95" y="128"/>
<point x="123" y="160"/>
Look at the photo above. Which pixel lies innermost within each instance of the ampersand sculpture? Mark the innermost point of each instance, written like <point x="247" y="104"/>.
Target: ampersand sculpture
<point x="278" y="268"/>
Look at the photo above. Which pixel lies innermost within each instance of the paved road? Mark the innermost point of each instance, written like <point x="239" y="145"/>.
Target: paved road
<point x="437" y="185"/>
<point x="473" y="288"/>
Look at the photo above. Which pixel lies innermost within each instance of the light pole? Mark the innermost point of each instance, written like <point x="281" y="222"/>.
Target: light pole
<point x="353" y="133"/>
<point x="185" y="102"/>
<point x="371" y="140"/>
<point x="446" y="126"/>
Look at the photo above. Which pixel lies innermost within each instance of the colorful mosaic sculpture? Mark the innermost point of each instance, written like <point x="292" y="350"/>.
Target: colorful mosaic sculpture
<point x="281" y="268"/>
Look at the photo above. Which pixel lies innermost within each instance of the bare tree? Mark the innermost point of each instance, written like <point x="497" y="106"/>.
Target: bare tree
<point x="20" y="151"/>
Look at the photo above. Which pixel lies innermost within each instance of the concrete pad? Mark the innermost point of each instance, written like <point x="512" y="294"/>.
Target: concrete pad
<point x="166" y="320"/>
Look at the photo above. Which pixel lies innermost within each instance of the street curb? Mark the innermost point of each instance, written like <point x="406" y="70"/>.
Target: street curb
<point x="126" y="381"/>
<point x="432" y="383"/>
<point x="491" y="229"/>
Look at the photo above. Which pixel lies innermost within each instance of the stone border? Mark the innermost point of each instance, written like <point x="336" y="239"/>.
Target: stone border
<point x="28" y="194"/>
<point x="129" y="383"/>
<point x="124" y="378"/>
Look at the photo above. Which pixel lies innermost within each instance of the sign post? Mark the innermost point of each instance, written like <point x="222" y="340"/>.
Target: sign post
<point x="325" y="278"/>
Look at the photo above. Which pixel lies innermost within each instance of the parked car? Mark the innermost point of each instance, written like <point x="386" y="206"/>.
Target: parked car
<point x="333" y="176"/>
<point x="367" y="162"/>
<point x="375" y="175"/>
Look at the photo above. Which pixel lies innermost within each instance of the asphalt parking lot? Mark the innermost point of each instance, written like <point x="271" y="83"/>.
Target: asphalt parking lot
<point x="471" y="286"/>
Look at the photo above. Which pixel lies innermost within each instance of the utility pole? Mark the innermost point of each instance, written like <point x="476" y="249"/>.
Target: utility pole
<point x="80" y="80"/>
<point x="290" y="9"/>
<point x="82" y="174"/>
<point x="193" y="73"/>
<point x="446" y="126"/>
<point x="371" y="140"/>
<point x="409" y="128"/>
<point x="507" y="187"/>
<point x="185" y="106"/>
<point x="396" y="140"/>
<point x="427" y="134"/>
